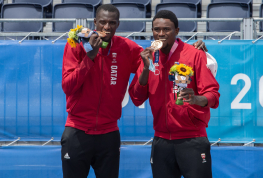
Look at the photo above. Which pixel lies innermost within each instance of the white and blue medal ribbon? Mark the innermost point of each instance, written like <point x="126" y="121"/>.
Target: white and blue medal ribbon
<point x="152" y="66"/>
<point x="156" y="56"/>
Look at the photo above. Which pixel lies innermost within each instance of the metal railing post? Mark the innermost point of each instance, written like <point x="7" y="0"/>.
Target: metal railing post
<point x="227" y="36"/>
<point x="13" y="142"/>
<point x="241" y="30"/>
<point x="148" y="141"/>
<point x="59" y="37"/>
<point x="26" y="37"/>
<point x="48" y="141"/>
<point x="192" y="36"/>
<point x="84" y="22"/>
<point x="75" y="23"/>
<point x="254" y="30"/>
<point x="88" y="20"/>
<point x="78" y="22"/>
<point x="219" y="140"/>
<point x="250" y="143"/>
<point x="248" y="28"/>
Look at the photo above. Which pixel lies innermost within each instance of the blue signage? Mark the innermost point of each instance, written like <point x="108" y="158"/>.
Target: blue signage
<point x="33" y="107"/>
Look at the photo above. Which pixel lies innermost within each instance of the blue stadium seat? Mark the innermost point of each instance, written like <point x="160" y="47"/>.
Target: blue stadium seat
<point x="146" y="3"/>
<point x="180" y="1"/>
<point x="249" y="2"/>
<point x="238" y="1"/>
<point x="226" y="10"/>
<point x="71" y="10"/>
<point x="1" y="4"/>
<point x="230" y="10"/>
<point x="22" y="11"/>
<point x="181" y="10"/>
<point x="131" y="10"/>
<point x="92" y="2"/>
<point x="47" y="5"/>
<point x="95" y="3"/>
<point x="198" y="3"/>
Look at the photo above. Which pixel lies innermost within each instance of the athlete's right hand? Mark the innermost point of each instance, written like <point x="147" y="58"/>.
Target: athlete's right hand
<point x="146" y="55"/>
<point x="95" y="42"/>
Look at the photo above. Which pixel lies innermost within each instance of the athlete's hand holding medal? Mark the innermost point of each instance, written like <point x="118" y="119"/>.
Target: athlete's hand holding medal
<point x="94" y="37"/>
<point x="93" y="45"/>
<point x="148" y="58"/>
<point x="91" y="39"/>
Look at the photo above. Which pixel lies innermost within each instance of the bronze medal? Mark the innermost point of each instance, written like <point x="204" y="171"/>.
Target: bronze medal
<point x="86" y="31"/>
<point x="101" y="34"/>
<point x="157" y="44"/>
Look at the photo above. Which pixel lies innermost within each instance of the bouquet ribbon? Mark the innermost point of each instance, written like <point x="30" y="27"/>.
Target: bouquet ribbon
<point x="86" y="44"/>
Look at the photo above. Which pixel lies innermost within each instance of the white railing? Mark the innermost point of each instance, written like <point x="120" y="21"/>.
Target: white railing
<point x="247" y="27"/>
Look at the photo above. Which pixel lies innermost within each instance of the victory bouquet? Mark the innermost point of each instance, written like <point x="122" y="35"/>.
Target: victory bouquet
<point x="83" y="34"/>
<point x="180" y="75"/>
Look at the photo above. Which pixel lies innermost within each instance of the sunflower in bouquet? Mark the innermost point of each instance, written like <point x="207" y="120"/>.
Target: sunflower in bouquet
<point x="73" y="37"/>
<point x="180" y="75"/>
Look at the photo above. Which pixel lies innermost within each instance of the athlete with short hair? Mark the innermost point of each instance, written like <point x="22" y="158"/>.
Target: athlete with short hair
<point x="180" y="145"/>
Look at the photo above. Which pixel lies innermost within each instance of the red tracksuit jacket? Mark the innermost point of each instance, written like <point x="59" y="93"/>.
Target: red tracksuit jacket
<point x="173" y="121"/>
<point x="95" y="90"/>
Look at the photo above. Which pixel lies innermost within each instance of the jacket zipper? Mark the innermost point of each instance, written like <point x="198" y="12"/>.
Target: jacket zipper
<point x="100" y="93"/>
<point x="165" y="97"/>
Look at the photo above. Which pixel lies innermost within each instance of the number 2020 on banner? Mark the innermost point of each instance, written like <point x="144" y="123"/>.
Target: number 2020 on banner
<point x="236" y="102"/>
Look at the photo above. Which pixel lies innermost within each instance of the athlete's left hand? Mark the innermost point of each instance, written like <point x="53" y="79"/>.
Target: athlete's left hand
<point x="188" y="95"/>
<point x="200" y="45"/>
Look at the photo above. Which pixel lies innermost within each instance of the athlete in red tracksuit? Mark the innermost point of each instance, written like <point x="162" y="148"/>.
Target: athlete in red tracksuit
<point x="95" y="84"/>
<point x="180" y="146"/>
<point x="95" y="89"/>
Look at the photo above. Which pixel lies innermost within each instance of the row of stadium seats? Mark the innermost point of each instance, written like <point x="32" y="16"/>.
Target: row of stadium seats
<point x="47" y="4"/>
<point x="66" y="10"/>
<point x="132" y="9"/>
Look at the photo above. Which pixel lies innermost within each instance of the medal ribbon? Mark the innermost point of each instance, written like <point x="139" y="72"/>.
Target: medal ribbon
<point x="174" y="47"/>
